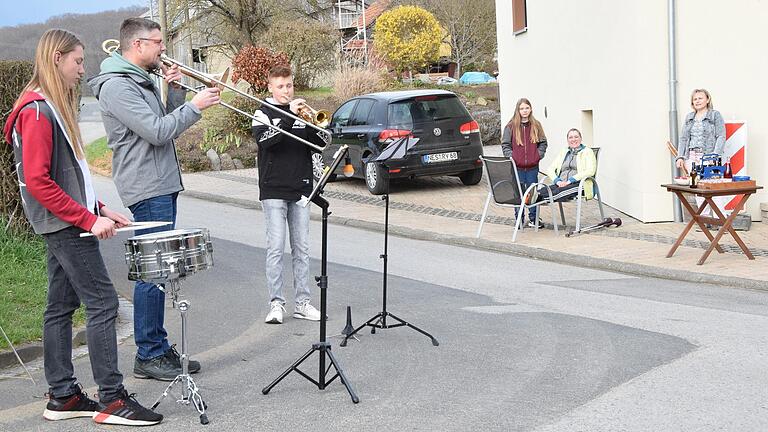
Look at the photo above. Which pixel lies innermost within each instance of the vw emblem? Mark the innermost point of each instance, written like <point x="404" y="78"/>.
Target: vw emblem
<point x="437" y="131"/>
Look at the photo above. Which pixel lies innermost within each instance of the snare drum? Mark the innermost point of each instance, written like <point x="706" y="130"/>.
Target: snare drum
<point x="168" y="254"/>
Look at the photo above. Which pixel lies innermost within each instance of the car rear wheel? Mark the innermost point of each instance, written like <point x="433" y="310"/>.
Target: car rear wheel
<point x="318" y="165"/>
<point x="376" y="178"/>
<point x="471" y="177"/>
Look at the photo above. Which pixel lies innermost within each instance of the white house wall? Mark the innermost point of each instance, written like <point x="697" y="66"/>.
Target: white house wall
<point x="610" y="57"/>
<point x="722" y="49"/>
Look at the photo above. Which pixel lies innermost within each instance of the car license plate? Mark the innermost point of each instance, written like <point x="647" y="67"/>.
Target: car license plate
<point x="440" y="157"/>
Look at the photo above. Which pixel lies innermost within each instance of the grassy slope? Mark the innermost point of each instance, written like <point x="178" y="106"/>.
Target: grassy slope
<point x="23" y="288"/>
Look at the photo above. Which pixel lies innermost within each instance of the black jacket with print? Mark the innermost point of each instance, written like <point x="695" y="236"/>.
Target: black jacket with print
<point x="285" y="164"/>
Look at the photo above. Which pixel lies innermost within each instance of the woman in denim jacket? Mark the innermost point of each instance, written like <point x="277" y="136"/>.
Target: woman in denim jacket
<point x="703" y="131"/>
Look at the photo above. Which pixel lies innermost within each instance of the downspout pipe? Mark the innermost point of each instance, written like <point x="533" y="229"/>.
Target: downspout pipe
<point x="673" y="131"/>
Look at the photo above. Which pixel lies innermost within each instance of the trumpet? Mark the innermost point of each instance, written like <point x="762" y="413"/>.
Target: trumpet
<point x="317" y="120"/>
<point x="320" y="118"/>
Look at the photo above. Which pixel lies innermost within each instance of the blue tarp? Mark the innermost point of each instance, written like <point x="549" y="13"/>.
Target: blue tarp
<point x="476" y="78"/>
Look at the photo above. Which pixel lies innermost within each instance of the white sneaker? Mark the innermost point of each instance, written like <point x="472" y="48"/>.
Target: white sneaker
<point x="275" y="315"/>
<point x="306" y="311"/>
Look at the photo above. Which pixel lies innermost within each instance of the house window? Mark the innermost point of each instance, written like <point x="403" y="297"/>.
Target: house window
<point x="199" y="55"/>
<point x="519" y="17"/>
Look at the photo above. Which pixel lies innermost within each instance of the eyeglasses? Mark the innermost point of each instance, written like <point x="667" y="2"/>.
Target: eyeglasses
<point x="156" y="41"/>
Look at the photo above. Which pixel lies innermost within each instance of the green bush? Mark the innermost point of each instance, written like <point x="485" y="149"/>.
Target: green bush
<point x="14" y="75"/>
<point x="236" y="122"/>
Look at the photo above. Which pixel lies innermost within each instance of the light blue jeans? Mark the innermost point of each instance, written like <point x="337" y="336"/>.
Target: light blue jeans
<point x="278" y="215"/>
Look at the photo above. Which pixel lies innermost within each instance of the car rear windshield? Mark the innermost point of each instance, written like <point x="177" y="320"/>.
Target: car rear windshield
<point x="403" y="114"/>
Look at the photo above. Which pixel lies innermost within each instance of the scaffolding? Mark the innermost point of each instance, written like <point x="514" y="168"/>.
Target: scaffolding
<point x="353" y="32"/>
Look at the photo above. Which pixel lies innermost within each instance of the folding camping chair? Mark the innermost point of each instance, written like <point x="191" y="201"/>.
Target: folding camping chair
<point x="504" y="188"/>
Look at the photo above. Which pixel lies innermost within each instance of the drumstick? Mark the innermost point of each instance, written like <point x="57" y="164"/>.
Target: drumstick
<point x="134" y="226"/>
<point x="673" y="150"/>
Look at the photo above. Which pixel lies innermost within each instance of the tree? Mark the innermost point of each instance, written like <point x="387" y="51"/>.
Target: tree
<point x="235" y="23"/>
<point x="471" y="29"/>
<point x="408" y="36"/>
<point x="239" y="23"/>
<point x="309" y="45"/>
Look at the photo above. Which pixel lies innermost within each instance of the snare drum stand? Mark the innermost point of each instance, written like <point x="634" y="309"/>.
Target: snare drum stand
<point x="189" y="390"/>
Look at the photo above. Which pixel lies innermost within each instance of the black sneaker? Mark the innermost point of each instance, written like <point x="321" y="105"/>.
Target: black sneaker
<point x="73" y="406"/>
<point x="175" y="357"/>
<point x="160" y="368"/>
<point x="127" y="411"/>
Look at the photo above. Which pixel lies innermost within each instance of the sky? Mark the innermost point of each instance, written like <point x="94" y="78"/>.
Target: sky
<point x="15" y="12"/>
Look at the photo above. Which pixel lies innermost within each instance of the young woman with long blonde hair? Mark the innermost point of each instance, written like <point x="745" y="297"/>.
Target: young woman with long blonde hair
<point x="60" y="203"/>
<point x="525" y="143"/>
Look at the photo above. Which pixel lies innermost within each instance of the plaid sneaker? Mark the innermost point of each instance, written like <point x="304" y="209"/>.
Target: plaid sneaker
<point x="72" y="406"/>
<point x="126" y="411"/>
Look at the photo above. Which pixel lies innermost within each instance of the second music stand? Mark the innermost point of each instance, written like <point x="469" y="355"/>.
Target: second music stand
<point x="395" y="150"/>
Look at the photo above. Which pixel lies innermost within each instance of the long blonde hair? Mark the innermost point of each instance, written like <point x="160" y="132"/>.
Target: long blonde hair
<point x="47" y="78"/>
<point x="515" y="123"/>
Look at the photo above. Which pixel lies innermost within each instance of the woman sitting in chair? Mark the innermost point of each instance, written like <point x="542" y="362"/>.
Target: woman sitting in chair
<point x="573" y="164"/>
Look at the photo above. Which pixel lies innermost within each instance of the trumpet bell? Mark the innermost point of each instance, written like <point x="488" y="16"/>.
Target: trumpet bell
<point x="322" y="118"/>
<point x="319" y="118"/>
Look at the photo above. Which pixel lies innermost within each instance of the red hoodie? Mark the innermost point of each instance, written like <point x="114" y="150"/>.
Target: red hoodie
<point x="40" y="139"/>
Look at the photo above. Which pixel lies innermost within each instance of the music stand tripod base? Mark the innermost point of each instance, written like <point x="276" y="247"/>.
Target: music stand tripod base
<point x="322" y="347"/>
<point x="189" y="391"/>
<point x="393" y="151"/>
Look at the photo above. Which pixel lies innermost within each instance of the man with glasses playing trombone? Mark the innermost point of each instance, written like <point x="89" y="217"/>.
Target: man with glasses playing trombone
<point x="145" y="169"/>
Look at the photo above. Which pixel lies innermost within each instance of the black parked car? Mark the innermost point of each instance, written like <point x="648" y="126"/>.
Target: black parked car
<point x="449" y="139"/>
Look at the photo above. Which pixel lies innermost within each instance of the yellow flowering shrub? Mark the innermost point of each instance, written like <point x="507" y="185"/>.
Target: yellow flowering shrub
<point x="408" y="37"/>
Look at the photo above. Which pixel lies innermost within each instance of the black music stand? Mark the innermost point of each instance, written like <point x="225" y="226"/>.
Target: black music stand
<point x="323" y="347"/>
<point x="395" y="150"/>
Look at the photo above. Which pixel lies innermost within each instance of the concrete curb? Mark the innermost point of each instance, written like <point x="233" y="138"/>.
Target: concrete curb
<point x="516" y="249"/>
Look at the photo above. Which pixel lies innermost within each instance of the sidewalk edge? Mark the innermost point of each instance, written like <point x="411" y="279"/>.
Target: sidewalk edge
<point x="516" y="249"/>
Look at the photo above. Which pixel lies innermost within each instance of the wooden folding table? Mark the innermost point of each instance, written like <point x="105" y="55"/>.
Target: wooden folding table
<point x="745" y="190"/>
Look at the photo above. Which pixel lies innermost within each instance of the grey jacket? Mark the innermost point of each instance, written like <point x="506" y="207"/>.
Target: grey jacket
<point x="140" y="132"/>
<point x="55" y="198"/>
<point x="714" y="134"/>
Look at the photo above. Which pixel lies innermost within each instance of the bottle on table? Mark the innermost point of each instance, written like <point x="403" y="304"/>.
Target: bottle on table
<point x="694" y="177"/>
<point x="728" y="174"/>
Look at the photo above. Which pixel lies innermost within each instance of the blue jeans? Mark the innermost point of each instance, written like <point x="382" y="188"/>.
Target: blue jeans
<point x="149" y="301"/>
<point x="76" y="272"/>
<point x="527" y="177"/>
<point x="278" y="215"/>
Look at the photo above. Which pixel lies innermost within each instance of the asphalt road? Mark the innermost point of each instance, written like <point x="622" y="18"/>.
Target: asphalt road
<point x="524" y="345"/>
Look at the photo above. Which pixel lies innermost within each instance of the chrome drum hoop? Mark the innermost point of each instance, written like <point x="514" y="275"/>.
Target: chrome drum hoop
<point x="168" y="254"/>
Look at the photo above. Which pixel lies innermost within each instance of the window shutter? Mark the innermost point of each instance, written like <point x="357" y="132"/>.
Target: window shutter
<point x="519" y="18"/>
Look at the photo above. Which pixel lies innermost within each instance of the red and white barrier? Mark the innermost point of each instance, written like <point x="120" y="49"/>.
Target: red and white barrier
<point x="735" y="149"/>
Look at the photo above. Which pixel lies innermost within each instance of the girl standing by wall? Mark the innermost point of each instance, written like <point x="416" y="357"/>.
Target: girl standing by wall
<point x="524" y="142"/>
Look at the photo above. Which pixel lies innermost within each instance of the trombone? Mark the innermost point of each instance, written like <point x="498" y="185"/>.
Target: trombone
<point x="310" y="117"/>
